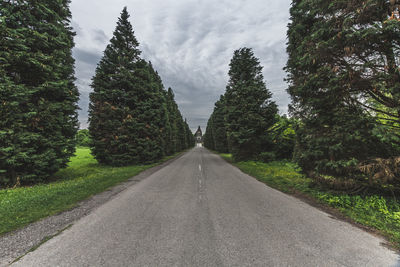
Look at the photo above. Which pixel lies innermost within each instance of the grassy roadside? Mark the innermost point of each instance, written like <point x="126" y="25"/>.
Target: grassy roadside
<point x="375" y="212"/>
<point x="82" y="178"/>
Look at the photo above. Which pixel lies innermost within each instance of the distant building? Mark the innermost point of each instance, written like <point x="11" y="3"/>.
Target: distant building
<point x="198" y="136"/>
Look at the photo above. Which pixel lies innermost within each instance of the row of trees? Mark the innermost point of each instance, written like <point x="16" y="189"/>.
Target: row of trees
<point x="132" y="118"/>
<point x="344" y="77"/>
<point x="245" y="120"/>
<point x="344" y="81"/>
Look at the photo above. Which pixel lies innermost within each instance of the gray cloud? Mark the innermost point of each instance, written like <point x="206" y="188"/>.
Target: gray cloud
<point x="88" y="57"/>
<point x="100" y="36"/>
<point x="190" y="43"/>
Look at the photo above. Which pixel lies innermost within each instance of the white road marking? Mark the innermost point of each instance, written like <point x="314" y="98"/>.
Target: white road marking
<point x="199" y="167"/>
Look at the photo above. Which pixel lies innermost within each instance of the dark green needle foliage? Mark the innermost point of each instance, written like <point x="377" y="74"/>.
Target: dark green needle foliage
<point x="215" y="136"/>
<point x="38" y="97"/>
<point x="189" y="136"/>
<point x="172" y="137"/>
<point x="181" y="134"/>
<point x="209" y="139"/>
<point x="219" y="129"/>
<point x="250" y="112"/>
<point x="179" y="137"/>
<point x="127" y="113"/>
<point x="338" y="72"/>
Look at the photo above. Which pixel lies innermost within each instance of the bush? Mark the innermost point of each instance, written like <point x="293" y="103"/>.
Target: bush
<point x="83" y="138"/>
<point x="267" y="156"/>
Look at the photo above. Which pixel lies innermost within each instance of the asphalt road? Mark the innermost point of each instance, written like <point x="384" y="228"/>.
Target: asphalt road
<point x="201" y="211"/>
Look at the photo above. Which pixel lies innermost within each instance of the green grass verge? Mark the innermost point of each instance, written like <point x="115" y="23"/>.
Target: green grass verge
<point x="82" y="178"/>
<point x="377" y="212"/>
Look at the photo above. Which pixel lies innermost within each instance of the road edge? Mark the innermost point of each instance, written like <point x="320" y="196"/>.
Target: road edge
<point x="333" y="212"/>
<point x="15" y="244"/>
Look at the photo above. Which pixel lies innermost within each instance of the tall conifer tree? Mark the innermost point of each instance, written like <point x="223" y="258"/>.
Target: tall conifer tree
<point x="208" y="137"/>
<point x="37" y="92"/>
<point x="219" y="126"/>
<point x="250" y="112"/>
<point x="329" y="82"/>
<point x="126" y="113"/>
<point x="172" y="107"/>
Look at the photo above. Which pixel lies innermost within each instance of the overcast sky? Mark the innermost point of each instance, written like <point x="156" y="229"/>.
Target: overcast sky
<point x="189" y="42"/>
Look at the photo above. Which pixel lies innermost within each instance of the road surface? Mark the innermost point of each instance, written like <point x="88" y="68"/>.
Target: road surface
<point x="201" y="211"/>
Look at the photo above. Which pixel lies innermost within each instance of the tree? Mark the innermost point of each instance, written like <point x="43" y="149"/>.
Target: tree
<point x="209" y="139"/>
<point x="189" y="136"/>
<point x="219" y="129"/>
<point x="172" y="109"/>
<point x="162" y="122"/>
<point x="335" y="132"/>
<point x="37" y="92"/>
<point x="250" y="112"/>
<point x="181" y="134"/>
<point x="126" y="121"/>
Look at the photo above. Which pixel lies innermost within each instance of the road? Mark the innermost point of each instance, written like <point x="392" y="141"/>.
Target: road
<point x="201" y="211"/>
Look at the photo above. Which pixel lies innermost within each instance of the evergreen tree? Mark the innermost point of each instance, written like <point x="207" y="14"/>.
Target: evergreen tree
<point x="336" y="132"/>
<point x="209" y="140"/>
<point x="219" y="129"/>
<point x="189" y="136"/>
<point x="126" y="121"/>
<point x="249" y="109"/>
<point x="161" y="108"/>
<point x="37" y="92"/>
<point x="172" y="108"/>
<point x="181" y="134"/>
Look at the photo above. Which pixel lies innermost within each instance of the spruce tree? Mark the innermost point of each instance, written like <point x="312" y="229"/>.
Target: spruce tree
<point x="181" y="135"/>
<point x="219" y="129"/>
<point x="126" y="119"/>
<point x="37" y="92"/>
<point x="172" y="108"/>
<point x="162" y="122"/>
<point x="250" y="112"/>
<point x="336" y="132"/>
<point x="208" y="137"/>
<point x="189" y="136"/>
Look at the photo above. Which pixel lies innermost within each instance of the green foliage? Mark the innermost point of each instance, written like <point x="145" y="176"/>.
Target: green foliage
<point x="209" y="139"/>
<point x="83" y="138"/>
<point x="283" y="137"/>
<point x="179" y="136"/>
<point x="38" y="97"/>
<point x="249" y="111"/>
<point x="132" y="119"/>
<point x="333" y="72"/>
<point x="374" y="211"/>
<point x="218" y="126"/>
<point x="189" y="136"/>
<point x="82" y="178"/>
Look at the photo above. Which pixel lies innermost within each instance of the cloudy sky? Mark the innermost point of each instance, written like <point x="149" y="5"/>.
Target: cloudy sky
<point x="189" y="42"/>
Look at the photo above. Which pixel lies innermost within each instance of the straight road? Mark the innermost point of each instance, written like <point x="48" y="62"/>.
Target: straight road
<point x="201" y="211"/>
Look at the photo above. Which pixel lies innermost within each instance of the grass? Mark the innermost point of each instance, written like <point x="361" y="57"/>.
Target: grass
<point x="373" y="211"/>
<point x="82" y="178"/>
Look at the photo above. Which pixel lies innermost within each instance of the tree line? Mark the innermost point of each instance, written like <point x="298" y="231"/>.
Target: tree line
<point x="132" y="118"/>
<point x="245" y="121"/>
<point x="344" y="82"/>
